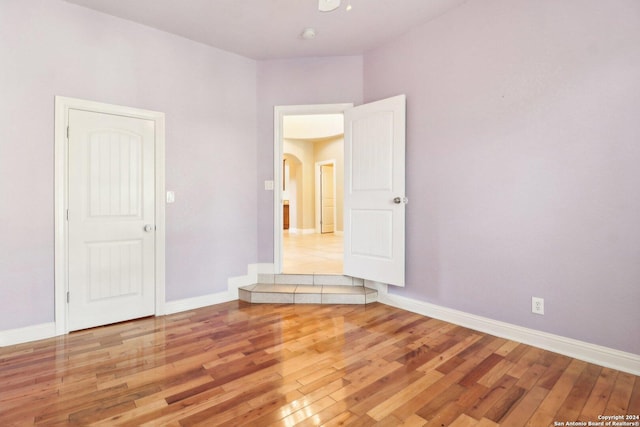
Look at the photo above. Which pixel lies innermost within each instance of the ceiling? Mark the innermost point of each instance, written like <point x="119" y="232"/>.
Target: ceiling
<point x="269" y="29"/>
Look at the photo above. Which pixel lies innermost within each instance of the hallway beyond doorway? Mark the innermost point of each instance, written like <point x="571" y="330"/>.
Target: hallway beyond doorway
<point x="312" y="253"/>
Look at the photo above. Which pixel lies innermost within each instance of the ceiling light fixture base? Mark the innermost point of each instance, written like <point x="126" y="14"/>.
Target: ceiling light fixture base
<point x="328" y="5"/>
<point x="308" y="34"/>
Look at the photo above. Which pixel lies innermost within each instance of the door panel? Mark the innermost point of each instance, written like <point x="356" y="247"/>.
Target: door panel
<point x="375" y="176"/>
<point x="111" y="200"/>
<point x="372" y="151"/>
<point x="113" y="269"/>
<point x="114" y="172"/>
<point x="371" y="233"/>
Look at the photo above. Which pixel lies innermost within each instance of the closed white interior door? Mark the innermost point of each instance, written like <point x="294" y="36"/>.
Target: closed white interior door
<point x="374" y="197"/>
<point x="111" y="218"/>
<point x="327" y="198"/>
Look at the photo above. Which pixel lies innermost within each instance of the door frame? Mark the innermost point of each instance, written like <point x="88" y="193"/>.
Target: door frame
<point x="280" y="111"/>
<point x="318" y="195"/>
<point x="61" y="197"/>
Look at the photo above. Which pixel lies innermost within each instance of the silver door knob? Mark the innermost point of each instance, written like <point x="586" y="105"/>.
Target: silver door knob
<point x="148" y="228"/>
<point x="398" y="200"/>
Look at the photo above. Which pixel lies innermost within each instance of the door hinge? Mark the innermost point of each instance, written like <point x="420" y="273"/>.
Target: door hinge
<point x="67" y="214"/>
<point x="67" y="132"/>
<point x="67" y="297"/>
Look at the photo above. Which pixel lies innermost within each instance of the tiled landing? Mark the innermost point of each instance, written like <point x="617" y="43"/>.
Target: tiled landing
<point x="307" y="294"/>
<point x="308" y="289"/>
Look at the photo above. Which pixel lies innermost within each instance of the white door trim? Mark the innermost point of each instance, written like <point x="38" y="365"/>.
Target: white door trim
<point x="278" y="134"/>
<point x="61" y="181"/>
<point x="318" y="201"/>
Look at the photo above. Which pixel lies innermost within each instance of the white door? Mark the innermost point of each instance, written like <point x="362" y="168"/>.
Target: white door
<point x="374" y="197"/>
<point x="327" y="199"/>
<point x="111" y="218"/>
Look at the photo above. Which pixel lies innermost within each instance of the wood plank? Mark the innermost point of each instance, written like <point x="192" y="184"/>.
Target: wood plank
<point x="505" y="403"/>
<point x="410" y="391"/>
<point x="464" y="420"/>
<point x="525" y="408"/>
<point x="545" y="414"/>
<point x="600" y="394"/>
<point x="621" y="395"/>
<point x="446" y="415"/>
<point x="530" y="377"/>
<point x="573" y="404"/>
<point x="306" y="411"/>
<point x="493" y="395"/>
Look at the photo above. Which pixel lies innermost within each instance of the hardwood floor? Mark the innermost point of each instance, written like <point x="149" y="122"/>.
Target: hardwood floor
<point x="239" y="364"/>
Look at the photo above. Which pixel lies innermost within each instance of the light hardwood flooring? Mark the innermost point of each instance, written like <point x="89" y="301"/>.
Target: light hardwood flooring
<point x="312" y="253"/>
<point x="238" y="364"/>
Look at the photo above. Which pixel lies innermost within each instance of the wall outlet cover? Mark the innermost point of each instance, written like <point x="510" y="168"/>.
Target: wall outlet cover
<point x="537" y="305"/>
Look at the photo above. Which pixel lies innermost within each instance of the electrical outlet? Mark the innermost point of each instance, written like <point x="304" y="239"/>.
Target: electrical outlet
<point x="537" y="305"/>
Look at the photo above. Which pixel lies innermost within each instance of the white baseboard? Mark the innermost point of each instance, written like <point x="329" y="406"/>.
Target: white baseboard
<point x="186" y="304"/>
<point x="233" y="283"/>
<point x="48" y="330"/>
<point x="28" y="333"/>
<point x="599" y="355"/>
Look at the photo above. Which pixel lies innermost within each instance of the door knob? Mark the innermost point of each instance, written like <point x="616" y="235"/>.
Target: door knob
<point x="148" y="228"/>
<point x="398" y="200"/>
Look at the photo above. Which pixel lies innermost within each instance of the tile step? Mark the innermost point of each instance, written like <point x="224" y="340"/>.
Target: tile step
<point x="310" y="279"/>
<point x="306" y="294"/>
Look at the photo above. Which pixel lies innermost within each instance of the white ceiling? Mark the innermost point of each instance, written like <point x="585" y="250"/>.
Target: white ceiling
<point x="268" y="29"/>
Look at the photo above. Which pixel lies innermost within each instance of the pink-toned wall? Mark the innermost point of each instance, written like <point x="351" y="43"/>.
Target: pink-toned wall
<point x="50" y="48"/>
<point x="523" y="154"/>
<point x="330" y="80"/>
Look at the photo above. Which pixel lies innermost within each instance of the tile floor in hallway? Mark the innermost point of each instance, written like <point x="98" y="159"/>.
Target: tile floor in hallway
<point x="312" y="253"/>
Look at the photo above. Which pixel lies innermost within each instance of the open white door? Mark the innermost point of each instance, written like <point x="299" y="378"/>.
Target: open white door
<point x="111" y="218"/>
<point x="374" y="197"/>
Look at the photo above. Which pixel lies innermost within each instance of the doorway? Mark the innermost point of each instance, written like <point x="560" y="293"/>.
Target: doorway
<point x="306" y="139"/>
<point x="109" y="213"/>
<point x="313" y="149"/>
<point x="374" y="180"/>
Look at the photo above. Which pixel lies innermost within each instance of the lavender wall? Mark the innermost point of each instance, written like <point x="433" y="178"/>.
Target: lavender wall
<point x="330" y="80"/>
<point x="522" y="153"/>
<point x="50" y="48"/>
<point x="522" y="162"/>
